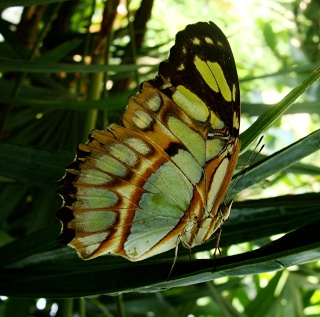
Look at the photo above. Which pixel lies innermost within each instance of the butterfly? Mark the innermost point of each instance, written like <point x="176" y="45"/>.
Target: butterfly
<point x="159" y="178"/>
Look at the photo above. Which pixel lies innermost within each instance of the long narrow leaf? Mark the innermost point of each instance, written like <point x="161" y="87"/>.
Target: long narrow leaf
<point x="268" y="117"/>
<point x="41" y="67"/>
<point x="109" y="275"/>
<point x="279" y="161"/>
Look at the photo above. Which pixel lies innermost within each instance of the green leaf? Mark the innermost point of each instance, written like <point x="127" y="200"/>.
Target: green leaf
<point x="32" y="166"/>
<point x="278" y="161"/>
<point x="226" y="307"/>
<point x="256" y="109"/>
<point x="264" y="298"/>
<point x="270" y="38"/>
<point x="115" y="102"/>
<point x="53" y="275"/>
<point x="21" y="66"/>
<point x="60" y="51"/>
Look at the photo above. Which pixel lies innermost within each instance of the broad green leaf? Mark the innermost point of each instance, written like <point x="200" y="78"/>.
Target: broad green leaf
<point x="32" y="166"/>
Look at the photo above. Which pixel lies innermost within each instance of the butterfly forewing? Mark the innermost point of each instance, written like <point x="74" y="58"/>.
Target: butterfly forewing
<point x="138" y="189"/>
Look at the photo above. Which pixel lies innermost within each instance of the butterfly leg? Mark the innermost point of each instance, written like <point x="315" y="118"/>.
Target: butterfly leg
<point x="217" y="248"/>
<point x="175" y="256"/>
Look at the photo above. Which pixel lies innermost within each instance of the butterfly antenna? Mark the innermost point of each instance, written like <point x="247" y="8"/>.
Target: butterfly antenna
<point x="249" y="162"/>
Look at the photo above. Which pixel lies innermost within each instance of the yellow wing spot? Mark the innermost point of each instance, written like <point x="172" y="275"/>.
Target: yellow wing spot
<point x="212" y="73"/>
<point x="142" y="120"/>
<point x="221" y="80"/>
<point x="154" y="102"/>
<point x="206" y="73"/>
<point x="236" y="123"/>
<point x="234" y="91"/>
<point x="219" y="43"/>
<point x="181" y="67"/>
<point x="166" y="85"/>
<point x="184" y="50"/>
<point x="192" y="105"/>
<point x="196" y="41"/>
<point x="208" y="40"/>
<point x="215" y="121"/>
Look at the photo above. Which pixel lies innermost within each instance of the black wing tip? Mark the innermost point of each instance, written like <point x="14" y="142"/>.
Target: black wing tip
<point x="65" y="215"/>
<point x="66" y="236"/>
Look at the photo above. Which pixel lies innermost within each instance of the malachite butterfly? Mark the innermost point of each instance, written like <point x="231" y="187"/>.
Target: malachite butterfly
<point x="140" y="188"/>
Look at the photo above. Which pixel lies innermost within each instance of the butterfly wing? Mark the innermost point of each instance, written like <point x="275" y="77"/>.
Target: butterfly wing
<point x="138" y="189"/>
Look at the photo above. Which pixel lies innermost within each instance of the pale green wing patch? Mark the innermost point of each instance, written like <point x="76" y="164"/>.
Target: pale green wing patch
<point x="146" y="232"/>
<point x="93" y="220"/>
<point x="92" y="198"/>
<point x="161" y="210"/>
<point x="191" y="139"/>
